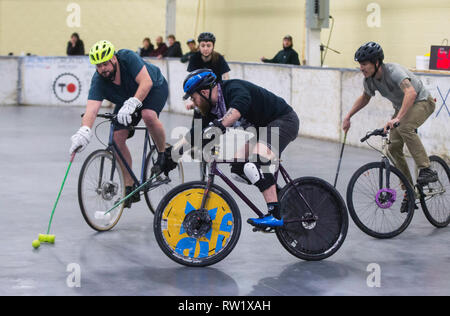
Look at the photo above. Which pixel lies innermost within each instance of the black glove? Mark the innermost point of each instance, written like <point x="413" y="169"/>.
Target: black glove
<point x="170" y="164"/>
<point x="159" y="164"/>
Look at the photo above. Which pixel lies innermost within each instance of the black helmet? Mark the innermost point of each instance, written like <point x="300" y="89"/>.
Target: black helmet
<point x="198" y="80"/>
<point x="370" y="51"/>
<point x="206" y="37"/>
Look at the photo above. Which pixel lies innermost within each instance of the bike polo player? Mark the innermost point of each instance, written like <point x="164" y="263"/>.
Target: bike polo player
<point x="413" y="104"/>
<point x="134" y="86"/>
<point x="223" y="104"/>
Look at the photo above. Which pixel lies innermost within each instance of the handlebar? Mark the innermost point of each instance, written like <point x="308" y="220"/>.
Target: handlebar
<point x="109" y="116"/>
<point x="377" y="132"/>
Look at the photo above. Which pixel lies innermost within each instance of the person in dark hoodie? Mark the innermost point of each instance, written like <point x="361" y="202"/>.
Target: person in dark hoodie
<point x="173" y="47"/>
<point x="161" y="48"/>
<point x="75" y="46"/>
<point x="285" y="56"/>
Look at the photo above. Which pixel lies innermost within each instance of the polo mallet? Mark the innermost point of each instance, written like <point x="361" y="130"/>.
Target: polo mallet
<point x="340" y="159"/>
<point x="47" y="237"/>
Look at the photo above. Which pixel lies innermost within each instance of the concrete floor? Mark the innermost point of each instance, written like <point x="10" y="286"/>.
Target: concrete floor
<point x="127" y="260"/>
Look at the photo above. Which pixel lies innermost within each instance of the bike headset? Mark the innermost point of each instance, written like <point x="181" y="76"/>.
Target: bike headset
<point x="197" y="80"/>
<point x="371" y="52"/>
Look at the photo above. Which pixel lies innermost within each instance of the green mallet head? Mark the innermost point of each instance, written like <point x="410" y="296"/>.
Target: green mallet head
<point x="35" y="244"/>
<point x="47" y="238"/>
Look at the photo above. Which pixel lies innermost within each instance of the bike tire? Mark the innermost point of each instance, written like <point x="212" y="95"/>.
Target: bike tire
<point x="367" y="178"/>
<point x="97" y="198"/>
<point x="438" y="214"/>
<point x="310" y="241"/>
<point x="154" y="196"/>
<point x="172" y="237"/>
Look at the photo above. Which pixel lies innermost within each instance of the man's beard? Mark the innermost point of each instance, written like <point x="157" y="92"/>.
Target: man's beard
<point x="112" y="74"/>
<point x="204" y="108"/>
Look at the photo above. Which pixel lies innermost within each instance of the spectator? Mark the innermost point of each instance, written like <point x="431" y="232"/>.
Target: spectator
<point x="173" y="47"/>
<point x="147" y="47"/>
<point x="207" y="58"/>
<point x="75" y="46"/>
<point x="161" y="48"/>
<point x="285" y="56"/>
<point x="192" y="50"/>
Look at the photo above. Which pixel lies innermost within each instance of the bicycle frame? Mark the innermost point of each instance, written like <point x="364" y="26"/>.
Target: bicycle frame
<point x="113" y="147"/>
<point x="215" y="171"/>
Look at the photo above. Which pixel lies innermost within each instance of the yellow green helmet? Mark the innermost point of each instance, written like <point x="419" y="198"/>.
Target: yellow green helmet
<point x="101" y="51"/>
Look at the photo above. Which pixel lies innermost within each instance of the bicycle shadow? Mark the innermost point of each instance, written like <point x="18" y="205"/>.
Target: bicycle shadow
<point x="134" y="271"/>
<point x="305" y="278"/>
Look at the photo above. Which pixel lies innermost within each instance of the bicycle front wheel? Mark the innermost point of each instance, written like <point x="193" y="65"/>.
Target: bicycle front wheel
<point x="374" y="206"/>
<point x="312" y="236"/>
<point x="435" y="197"/>
<point x="163" y="183"/>
<point x="195" y="237"/>
<point x="100" y="186"/>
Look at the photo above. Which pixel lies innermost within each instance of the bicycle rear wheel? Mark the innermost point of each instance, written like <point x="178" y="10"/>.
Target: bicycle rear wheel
<point x="435" y="197"/>
<point x="166" y="183"/>
<point x="194" y="237"/>
<point x="313" y="239"/>
<point x="100" y="186"/>
<point x="374" y="207"/>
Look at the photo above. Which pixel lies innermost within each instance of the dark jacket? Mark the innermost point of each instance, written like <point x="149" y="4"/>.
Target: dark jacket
<point x="174" y="50"/>
<point x="77" y="50"/>
<point x="160" y="50"/>
<point x="285" y="56"/>
<point x="146" y="52"/>
<point x="185" y="58"/>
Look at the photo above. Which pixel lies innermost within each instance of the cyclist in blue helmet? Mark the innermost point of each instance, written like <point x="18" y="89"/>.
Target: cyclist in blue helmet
<point x="222" y="105"/>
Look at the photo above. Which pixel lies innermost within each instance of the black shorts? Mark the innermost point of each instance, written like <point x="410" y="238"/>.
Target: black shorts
<point x="156" y="100"/>
<point x="280" y="132"/>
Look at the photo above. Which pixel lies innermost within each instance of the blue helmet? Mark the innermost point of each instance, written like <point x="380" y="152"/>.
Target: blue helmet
<point x="198" y="80"/>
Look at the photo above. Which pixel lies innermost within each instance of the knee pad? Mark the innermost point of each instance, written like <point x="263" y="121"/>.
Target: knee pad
<point x="237" y="172"/>
<point x="261" y="180"/>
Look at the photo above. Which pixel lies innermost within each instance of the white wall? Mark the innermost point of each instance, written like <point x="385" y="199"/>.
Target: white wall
<point x="320" y="96"/>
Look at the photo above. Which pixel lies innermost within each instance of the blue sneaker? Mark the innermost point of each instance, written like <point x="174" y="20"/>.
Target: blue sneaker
<point x="266" y="221"/>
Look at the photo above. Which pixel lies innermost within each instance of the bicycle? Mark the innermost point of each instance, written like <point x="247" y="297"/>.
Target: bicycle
<point x="101" y="183"/>
<point x="198" y="223"/>
<point x="374" y="194"/>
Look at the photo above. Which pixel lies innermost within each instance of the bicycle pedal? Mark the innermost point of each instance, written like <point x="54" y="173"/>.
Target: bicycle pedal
<point x="265" y="230"/>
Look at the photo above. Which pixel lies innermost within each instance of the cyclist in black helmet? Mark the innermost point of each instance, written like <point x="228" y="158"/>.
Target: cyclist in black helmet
<point x="222" y="105"/>
<point x="412" y="103"/>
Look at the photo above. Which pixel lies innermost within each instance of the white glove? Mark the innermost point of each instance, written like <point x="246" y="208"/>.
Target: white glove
<point x="128" y="108"/>
<point x="80" y="139"/>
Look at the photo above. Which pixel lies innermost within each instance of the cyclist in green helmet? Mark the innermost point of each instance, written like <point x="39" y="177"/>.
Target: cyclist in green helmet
<point x="137" y="88"/>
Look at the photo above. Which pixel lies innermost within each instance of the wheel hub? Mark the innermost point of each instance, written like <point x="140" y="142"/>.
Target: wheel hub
<point x="385" y="198"/>
<point x="197" y="223"/>
<point x="108" y="190"/>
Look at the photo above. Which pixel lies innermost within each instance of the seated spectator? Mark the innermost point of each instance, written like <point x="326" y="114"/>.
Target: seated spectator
<point x="75" y="46"/>
<point x="192" y="50"/>
<point x="173" y="47"/>
<point x="147" y="48"/>
<point x="285" y="56"/>
<point x="161" y="48"/>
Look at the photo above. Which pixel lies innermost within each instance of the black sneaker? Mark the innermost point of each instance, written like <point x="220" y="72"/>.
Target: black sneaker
<point x="404" y="206"/>
<point x="426" y="175"/>
<point x="133" y="199"/>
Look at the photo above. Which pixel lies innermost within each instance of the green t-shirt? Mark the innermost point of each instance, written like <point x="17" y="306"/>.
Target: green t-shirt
<point x="389" y="85"/>
<point x="130" y="66"/>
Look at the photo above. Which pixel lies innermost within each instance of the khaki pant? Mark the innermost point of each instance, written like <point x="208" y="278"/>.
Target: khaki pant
<point x="405" y="133"/>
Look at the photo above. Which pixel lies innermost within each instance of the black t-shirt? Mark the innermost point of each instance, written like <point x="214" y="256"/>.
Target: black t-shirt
<point x="256" y="104"/>
<point x="219" y="68"/>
